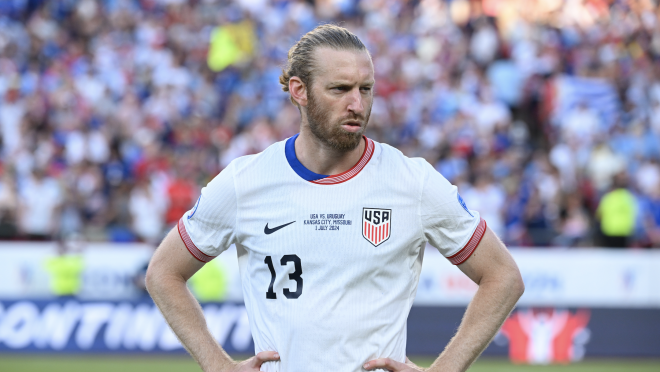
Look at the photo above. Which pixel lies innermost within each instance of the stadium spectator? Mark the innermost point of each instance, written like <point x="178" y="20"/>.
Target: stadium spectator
<point x="147" y="210"/>
<point x="574" y="224"/>
<point x="65" y="270"/>
<point x="210" y="283"/>
<point x="488" y="199"/>
<point x="40" y="199"/>
<point x="581" y="123"/>
<point x="8" y="207"/>
<point x="603" y="165"/>
<point x="126" y="87"/>
<point x="648" y="177"/>
<point x="617" y="214"/>
<point x="651" y="216"/>
<point x="181" y="195"/>
<point x="537" y="221"/>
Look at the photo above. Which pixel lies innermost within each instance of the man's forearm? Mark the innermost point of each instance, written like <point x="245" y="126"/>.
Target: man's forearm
<point x="185" y="317"/>
<point x="487" y="311"/>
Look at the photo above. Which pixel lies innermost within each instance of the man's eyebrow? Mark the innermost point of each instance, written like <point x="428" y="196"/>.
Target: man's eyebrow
<point x="338" y="83"/>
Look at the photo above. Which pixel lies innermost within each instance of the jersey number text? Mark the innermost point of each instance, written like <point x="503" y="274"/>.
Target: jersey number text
<point x="295" y="275"/>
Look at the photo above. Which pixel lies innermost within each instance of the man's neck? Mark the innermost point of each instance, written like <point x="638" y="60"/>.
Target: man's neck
<point x="322" y="159"/>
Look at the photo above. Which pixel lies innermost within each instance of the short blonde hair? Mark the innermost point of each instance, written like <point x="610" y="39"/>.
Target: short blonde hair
<point x="300" y="61"/>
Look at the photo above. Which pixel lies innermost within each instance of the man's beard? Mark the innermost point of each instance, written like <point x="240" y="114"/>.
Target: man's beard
<point x="332" y="134"/>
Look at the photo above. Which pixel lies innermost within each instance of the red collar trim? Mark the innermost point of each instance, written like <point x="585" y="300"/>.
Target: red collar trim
<point x="343" y="177"/>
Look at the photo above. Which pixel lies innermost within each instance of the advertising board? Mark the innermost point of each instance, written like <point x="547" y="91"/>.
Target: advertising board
<point x="70" y="325"/>
<point x="556" y="277"/>
<point x="553" y="277"/>
<point x="529" y="335"/>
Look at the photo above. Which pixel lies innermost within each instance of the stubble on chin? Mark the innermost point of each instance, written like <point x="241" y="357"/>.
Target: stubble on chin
<point x="331" y="134"/>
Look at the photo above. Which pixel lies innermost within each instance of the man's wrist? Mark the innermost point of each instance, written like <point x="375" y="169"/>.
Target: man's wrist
<point x="226" y="364"/>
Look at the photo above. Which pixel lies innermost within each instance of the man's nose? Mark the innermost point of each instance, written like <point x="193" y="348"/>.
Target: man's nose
<point x="356" y="105"/>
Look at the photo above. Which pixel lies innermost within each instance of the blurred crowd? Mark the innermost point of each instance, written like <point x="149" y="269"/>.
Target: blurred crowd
<point x="545" y="113"/>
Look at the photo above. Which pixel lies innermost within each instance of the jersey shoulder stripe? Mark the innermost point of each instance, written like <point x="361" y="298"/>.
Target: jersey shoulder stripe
<point x="192" y="248"/>
<point x="465" y="252"/>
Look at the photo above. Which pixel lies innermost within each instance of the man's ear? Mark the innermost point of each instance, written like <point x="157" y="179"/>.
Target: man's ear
<point x="298" y="90"/>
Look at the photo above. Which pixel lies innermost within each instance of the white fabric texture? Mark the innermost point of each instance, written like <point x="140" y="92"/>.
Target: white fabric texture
<point x="353" y="297"/>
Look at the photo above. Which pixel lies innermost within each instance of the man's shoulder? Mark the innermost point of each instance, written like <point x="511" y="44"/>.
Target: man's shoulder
<point x="390" y="156"/>
<point x="268" y="159"/>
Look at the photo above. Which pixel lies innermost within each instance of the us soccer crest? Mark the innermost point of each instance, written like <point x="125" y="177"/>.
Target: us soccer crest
<point x="376" y="225"/>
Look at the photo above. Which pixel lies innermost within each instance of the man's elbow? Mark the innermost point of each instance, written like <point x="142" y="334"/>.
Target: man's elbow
<point x="151" y="279"/>
<point x="516" y="284"/>
<point x="161" y="277"/>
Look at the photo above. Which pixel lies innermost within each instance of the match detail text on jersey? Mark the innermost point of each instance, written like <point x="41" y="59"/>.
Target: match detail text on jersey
<point x="327" y="221"/>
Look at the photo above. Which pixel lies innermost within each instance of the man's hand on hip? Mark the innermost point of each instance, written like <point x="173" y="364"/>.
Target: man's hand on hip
<point x="254" y="364"/>
<point x="393" y="366"/>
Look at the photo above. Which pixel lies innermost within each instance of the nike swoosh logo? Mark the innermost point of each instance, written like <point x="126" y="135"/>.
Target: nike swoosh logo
<point x="270" y="231"/>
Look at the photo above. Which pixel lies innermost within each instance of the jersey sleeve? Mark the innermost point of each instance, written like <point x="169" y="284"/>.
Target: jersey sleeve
<point x="447" y="222"/>
<point x="208" y="228"/>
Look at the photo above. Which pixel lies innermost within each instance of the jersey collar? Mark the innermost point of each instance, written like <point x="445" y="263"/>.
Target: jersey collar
<point x="320" y="179"/>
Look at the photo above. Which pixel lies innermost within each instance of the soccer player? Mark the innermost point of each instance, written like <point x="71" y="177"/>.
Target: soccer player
<point x="330" y="229"/>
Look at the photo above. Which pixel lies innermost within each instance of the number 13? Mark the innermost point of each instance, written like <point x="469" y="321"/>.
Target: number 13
<point x="296" y="275"/>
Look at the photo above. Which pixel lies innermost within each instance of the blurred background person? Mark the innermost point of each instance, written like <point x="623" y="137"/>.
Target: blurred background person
<point x="8" y="207"/>
<point x="65" y="269"/>
<point x="617" y="214"/>
<point x="147" y="209"/>
<point x="115" y="113"/>
<point x="98" y="94"/>
<point x="210" y="283"/>
<point x="40" y="200"/>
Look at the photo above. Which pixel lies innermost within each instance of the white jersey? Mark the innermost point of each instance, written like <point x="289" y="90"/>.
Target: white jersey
<point x="330" y="264"/>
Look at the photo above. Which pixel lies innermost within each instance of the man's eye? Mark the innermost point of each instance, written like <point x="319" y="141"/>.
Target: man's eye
<point x="366" y="89"/>
<point x="341" y="89"/>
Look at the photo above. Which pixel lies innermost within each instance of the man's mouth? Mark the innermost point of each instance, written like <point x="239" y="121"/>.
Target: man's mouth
<point x="352" y="126"/>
